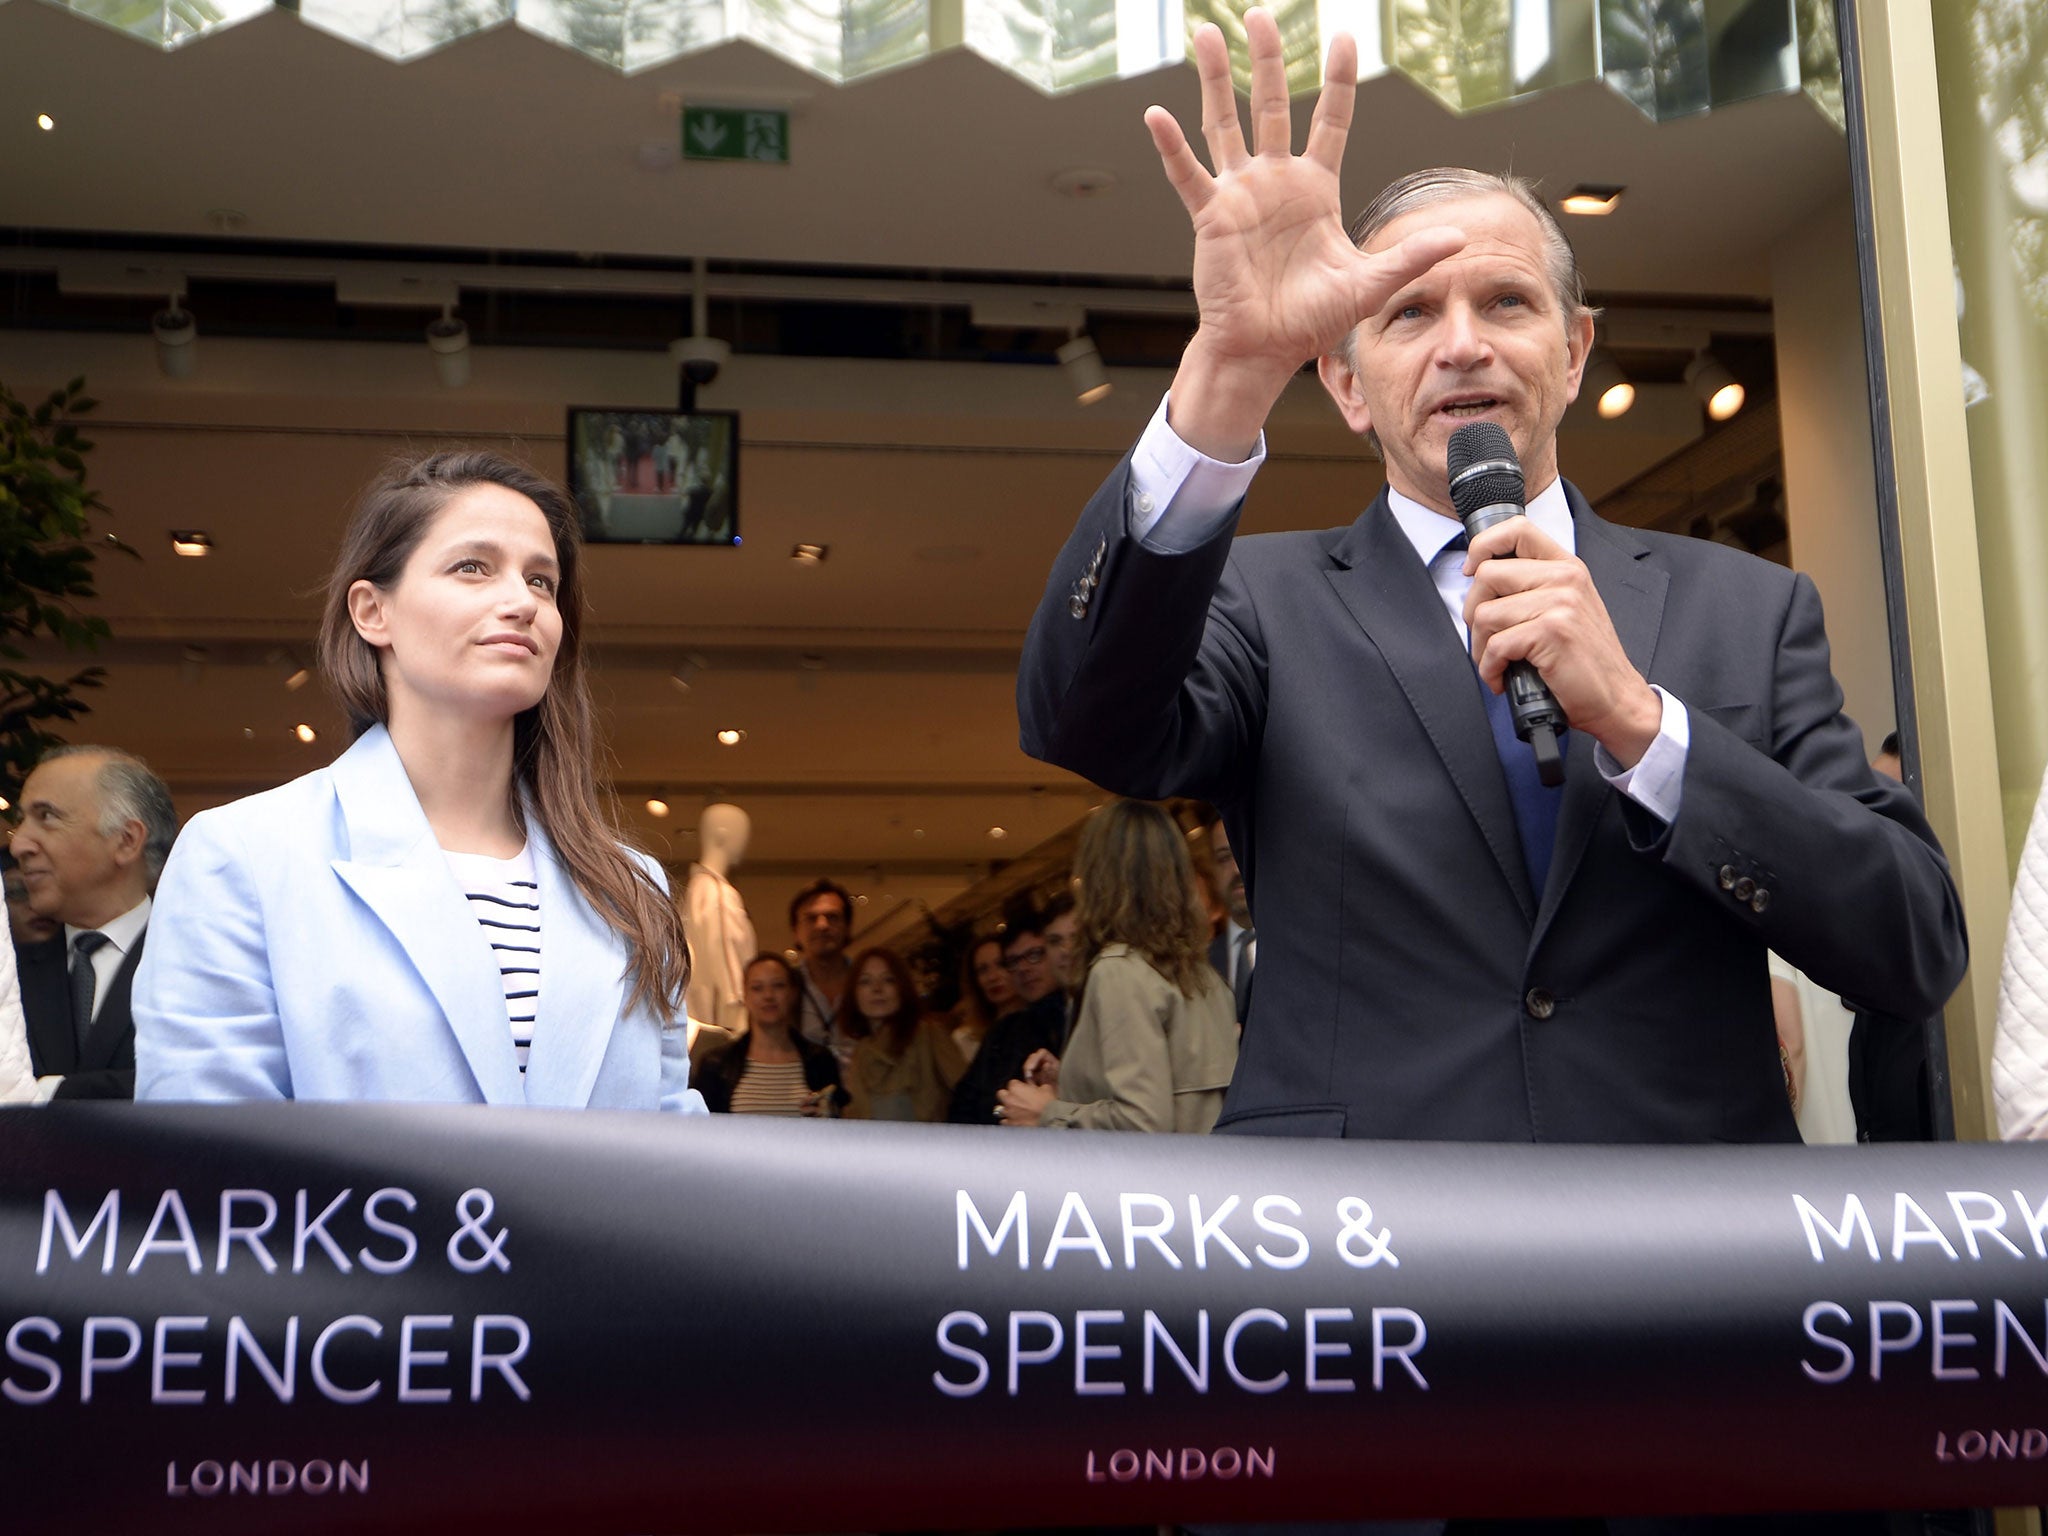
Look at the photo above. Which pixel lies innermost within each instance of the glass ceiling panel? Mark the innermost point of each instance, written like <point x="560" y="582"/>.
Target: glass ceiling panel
<point x="1670" y="58"/>
<point x="167" y="23"/>
<point x="404" y="29"/>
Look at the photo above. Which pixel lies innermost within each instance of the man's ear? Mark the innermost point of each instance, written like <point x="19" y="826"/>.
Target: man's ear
<point x="1578" y="346"/>
<point x="129" y="842"/>
<point x="1341" y="380"/>
<point x="366" y="612"/>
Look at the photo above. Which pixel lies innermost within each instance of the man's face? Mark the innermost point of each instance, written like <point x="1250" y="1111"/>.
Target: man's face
<point x="1481" y="336"/>
<point x="24" y="923"/>
<point x="1229" y="876"/>
<point x="1063" y="949"/>
<point x="75" y="873"/>
<point x="821" y="927"/>
<point x="1028" y="959"/>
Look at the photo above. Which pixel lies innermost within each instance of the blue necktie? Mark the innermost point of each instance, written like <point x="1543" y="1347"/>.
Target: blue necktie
<point x="1535" y="806"/>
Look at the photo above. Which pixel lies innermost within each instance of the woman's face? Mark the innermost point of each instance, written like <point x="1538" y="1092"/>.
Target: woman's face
<point x="768" y="996"/>
<point x="875" y="991"/>
<point x="471" y="626"/>
<point x="993" y="978"/>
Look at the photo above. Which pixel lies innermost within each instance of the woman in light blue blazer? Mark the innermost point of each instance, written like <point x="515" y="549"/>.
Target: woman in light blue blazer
<point x="443" y="914"/>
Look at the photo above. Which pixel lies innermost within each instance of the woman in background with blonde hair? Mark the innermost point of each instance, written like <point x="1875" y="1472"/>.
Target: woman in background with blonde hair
<point x="1156" y="1038"/>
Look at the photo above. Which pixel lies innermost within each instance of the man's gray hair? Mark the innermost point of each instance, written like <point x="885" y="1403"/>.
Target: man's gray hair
<point x="131" y="791"/>
<point x="1451" y="183"/>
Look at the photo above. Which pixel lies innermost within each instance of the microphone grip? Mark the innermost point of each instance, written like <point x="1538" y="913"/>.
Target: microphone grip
<point x="1538" y="718"/>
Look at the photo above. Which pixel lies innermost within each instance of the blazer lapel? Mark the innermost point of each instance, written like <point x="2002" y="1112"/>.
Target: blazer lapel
<point x="1388" y="591"/>
<point x="1633" y="588"/>
<point x="582" y="985"/>
<point x="402" y="876"/>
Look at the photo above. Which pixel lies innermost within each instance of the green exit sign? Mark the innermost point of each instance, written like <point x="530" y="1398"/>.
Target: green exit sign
<point x="735" y="133"/>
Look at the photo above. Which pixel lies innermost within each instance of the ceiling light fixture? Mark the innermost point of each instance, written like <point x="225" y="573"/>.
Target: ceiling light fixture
<point x="192" y="543"/>
<point x="305" y="733"/>
<point x="177" y="340"/>
<point x="45" y="122"/>
<point x="1589" y="201"/>
<point x="999" y="833"/>
<point x="657" y="807"/>
<point x="1612" y="393"/>
<point x="730" y="737"/>
<point x="448" y="340"/>
<point x="1715" y="385"/>
<point x="810" y="554"/>
<point x="1084" y="369"/>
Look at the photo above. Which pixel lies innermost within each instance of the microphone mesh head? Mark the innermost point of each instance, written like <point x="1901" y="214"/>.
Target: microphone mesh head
<point x="1483" y="442"/>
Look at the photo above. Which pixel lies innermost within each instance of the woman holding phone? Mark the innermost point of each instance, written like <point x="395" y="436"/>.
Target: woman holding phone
<point x="444" y="913"/>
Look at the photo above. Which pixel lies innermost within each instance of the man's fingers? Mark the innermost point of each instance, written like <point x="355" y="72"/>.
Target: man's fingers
<point x="1331" y="125"/>
<point x="1183" y="171"/>
<point x="1272" y="123"/>
<point x="1219" y="100"/>
<point x="1517" y="537"/>
<point x="1382" y="274"/>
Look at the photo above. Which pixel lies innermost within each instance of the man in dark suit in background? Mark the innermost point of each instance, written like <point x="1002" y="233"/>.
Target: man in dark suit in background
<point x="96" y="827"/>
<point x="1450" y="949"/>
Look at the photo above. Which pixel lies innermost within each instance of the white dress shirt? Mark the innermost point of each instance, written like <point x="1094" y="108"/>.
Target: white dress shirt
<point x="1180" y="498"/>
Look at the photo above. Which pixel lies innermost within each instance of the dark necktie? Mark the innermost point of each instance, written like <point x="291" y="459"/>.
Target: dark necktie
<point x="83" y="983"/>
<point x="1241" y="984"/>
<point x="1535" y="806"/>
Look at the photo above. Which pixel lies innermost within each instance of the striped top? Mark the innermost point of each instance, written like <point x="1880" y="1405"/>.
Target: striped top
<point x="505" y="899"/>
<point x="776" y="1089"/>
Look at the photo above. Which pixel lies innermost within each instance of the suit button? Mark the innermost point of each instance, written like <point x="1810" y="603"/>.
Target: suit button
<point x="1539" y="1004"/>
<point x="1727" y="877"/>
<point x="1077" y="606"/>
<point x="1745" y="888"/>
<point x="1760" y="900"/>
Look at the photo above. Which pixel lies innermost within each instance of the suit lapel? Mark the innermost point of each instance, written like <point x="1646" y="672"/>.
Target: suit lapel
<point x="1633" y="589"/>
<point x="1389" y="593"/>
<point x="400" y="873"/>
<point x="582" y="985"/>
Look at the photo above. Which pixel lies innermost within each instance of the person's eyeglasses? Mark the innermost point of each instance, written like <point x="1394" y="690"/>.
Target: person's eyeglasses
<point x="1024" y="959"/>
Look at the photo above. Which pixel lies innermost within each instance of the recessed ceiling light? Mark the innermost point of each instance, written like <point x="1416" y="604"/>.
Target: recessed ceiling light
<point x="305" y="732"/>
<point x="298" y="679"/>
<point x="998" y="833"/>
<point x="192" y="543"/>
<point x="731" y="738"/>
<point x="6" y="804"/>
<point x="45" y="122"/>
<point x="1590" y="201"/>
<point x="657" y="807"/>
<point x="810" y="554"/>
<point x="917" y="831"/>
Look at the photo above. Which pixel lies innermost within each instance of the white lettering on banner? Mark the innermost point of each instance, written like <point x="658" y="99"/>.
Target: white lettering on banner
<point x="1978" y="1215"/>
<point x="1179" y="1464"/>
<point x="1949" y="1335"/>
<point x="1225" y="1228"/>
<point x="266" y="1479"/>
<point x="56" y="1215"/>
<point x="246" y="1230"/>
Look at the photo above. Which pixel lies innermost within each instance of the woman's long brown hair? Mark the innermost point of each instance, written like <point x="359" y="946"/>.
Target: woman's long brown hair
<point x="900" y="1028"/>
<point x="1138" y="888"/>
<point x="555" y="742"/>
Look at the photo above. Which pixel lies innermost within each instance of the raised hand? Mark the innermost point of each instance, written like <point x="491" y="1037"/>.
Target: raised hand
<point x="1277" y="280"/>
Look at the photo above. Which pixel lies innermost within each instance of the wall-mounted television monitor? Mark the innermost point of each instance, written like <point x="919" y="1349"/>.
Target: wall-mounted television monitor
<point x="656" y="477"/>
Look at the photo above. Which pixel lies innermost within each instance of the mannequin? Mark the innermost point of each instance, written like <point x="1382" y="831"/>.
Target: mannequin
<point x="715" y="920"/>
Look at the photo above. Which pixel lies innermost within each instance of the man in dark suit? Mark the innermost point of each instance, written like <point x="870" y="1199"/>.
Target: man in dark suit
<point x="96" y="827"/>
<point x="1449" y="949"/>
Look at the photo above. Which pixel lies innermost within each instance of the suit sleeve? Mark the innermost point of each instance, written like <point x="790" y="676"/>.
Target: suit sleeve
<point x="1126" y="1018"/>
<point x="206" y="1016"/>
<point x="1856" y="891"/>
<point x="1144" y="672"/>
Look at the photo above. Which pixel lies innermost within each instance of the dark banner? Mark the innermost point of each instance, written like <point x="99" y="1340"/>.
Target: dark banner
<point x="346" y="1317"/>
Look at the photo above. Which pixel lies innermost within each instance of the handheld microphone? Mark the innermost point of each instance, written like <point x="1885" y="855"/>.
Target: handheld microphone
<point x="1486" y="488"/>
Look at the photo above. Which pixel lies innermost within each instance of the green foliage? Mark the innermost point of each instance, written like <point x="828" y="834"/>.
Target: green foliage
<point x="47" y="548"/>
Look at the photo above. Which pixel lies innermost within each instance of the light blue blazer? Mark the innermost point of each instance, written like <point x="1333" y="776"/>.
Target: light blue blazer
<point x="311" y="942"/>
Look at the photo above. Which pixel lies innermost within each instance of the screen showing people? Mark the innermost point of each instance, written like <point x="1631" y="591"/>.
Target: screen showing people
<point x="656" y="477"/>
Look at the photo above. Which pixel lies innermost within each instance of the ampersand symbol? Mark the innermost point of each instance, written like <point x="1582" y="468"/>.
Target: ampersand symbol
<point x="1357" y="1229"/>
<point x="475" y="1209"/>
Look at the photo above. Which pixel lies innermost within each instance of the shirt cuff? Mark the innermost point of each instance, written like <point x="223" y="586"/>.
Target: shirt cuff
<point x="1657" y="782"/>
<point x="1181" y="499"/>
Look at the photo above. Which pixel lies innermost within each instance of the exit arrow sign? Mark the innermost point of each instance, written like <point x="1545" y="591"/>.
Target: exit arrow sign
<point x="733" y="133"/>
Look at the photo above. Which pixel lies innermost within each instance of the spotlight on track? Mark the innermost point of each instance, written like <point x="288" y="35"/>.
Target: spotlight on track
<point x="1612" y="393"/>
<point x="1084" y="369"/>
<point x="1715" y="385"/>
<point x="177" y="340"/>
<point x="448" y="340"/>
